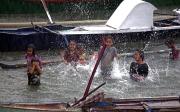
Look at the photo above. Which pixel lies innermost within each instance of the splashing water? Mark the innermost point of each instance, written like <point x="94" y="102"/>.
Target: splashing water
<point x="64" y="82"/>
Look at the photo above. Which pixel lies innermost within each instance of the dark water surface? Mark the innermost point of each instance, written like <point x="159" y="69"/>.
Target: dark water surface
<point x="61" y="82"/>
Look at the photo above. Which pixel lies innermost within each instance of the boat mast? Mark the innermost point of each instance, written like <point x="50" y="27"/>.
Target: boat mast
<point x="47" y="12"/>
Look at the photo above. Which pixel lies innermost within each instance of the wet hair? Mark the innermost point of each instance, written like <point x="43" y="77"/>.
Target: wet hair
<point x="33" y="48"/>
<point x="169" y="41"/>
<point x="34" y="59"/>
<point x="141" y="54"/>
<point x="72" y="41"/>
<point x="109" y="37"/>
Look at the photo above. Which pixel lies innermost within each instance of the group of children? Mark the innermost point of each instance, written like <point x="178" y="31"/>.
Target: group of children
<point x="75" y="54"/>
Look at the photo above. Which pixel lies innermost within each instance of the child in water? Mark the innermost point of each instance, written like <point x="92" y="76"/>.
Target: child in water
<point x="31" y="53"/>
<point x="138" y="69"/>
<point x="71" y="55"/>
<point x="81" y="53"/>
<point x="34" y="72"/>
<point x="108" y="57"/>
<point x="174" y="51"/>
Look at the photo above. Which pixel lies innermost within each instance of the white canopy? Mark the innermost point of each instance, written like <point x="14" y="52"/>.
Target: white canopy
<point x="132" y="14"/>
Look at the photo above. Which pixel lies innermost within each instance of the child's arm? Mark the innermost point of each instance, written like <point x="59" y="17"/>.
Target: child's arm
<point x="39" y="69"/>
<point x="117" y="56"/>
<point x="35" y="65"/>
<point x="31" y="70"/>
<point x="62" y="53"/>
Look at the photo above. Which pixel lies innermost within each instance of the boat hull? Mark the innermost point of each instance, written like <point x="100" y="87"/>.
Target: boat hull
<point x="55" y="37"/>
<point x="153" y="104"/>
<point x="48" y="41"/>
<point x="36" y="107"/>
<point x="18" y="39"/>
<point x="148" y="104"/>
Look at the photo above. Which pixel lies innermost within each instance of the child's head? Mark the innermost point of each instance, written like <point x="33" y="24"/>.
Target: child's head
<point x="109" y="41"/>
<point x="34" y="59"/>
<point x="139" y="55"/>
<point x="169" y="42"/>
<point x="72" y="45"/>
<point x="80" y="47"/>
<point x="31" y="49"/>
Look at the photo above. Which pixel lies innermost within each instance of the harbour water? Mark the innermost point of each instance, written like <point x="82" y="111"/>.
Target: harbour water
<point x="62" y="82"/>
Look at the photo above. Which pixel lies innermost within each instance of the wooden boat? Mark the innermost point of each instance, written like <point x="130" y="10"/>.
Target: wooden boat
<point x="130" y="26"/>
<point x="153" y="104"/>
<point x="18" y="39"/>
<point x="97" y="103"/>
<point x="36" y="107"/>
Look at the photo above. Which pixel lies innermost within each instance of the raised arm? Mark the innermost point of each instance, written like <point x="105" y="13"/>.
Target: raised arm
<point x="35" y="65"/>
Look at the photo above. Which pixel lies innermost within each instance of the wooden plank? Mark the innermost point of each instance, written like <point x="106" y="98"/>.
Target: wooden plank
<point x="129" y="107"/>
<point x="163" y="104"/>
<point x="161" y="98"/>
<point x="13" y="66"/>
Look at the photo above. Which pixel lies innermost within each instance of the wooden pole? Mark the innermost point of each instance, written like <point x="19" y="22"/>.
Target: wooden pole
<point x="47" y="12"/>
<point x="95" y="67"/>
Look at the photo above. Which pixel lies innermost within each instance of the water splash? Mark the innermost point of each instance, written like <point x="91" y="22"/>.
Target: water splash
<point x="118" y="71"/>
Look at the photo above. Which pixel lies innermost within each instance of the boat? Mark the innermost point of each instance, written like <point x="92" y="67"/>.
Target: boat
<point x="18" y="39"/>
<point x="137" y="24"/>
<point x="97" y="103"/>
<point x="146" y="104"/>
<point x="36" y="107"/>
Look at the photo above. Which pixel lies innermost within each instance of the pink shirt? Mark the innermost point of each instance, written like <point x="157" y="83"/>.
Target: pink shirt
<point x="29" y="58"/>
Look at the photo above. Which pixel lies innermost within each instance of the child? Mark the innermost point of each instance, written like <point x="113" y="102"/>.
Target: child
<point x="31" y="52"/>
<point x="174" y="51"/>
<point x="81" y="53"/>
<point x="71" y="55"/>
<point x="34" y="72"/>
<point x="138" y="69"/>
<point x="108" y="56"/>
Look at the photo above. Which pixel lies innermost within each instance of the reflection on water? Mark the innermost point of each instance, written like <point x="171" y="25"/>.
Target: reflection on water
<point x="62" y="82"/>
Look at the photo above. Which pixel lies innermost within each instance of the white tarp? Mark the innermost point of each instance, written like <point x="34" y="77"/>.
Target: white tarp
<point x="132" y="14"/>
